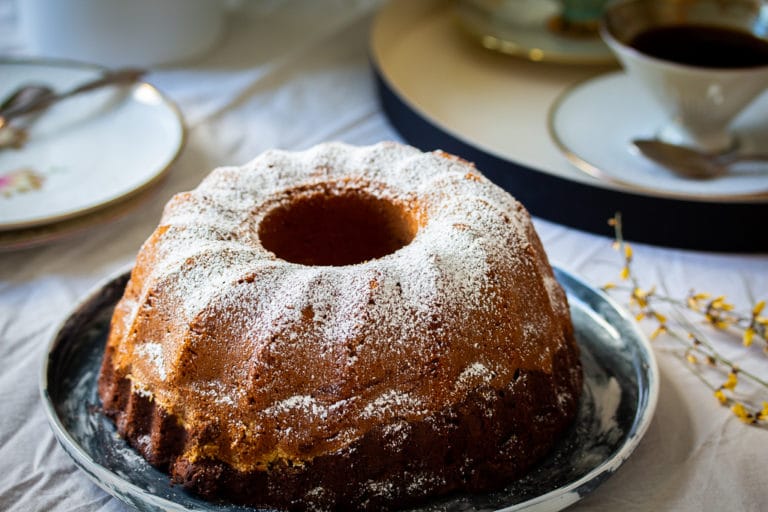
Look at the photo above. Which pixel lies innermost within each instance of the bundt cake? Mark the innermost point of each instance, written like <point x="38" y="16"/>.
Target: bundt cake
<point x="354" y="328"/>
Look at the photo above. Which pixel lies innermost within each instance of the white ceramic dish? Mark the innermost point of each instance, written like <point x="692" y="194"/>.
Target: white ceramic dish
<point x="527" y="29"/>
<point x="594" y="123"/>
<point x="26" y="238"/>
<point x="120" y="33"/>
<point x="87" y="152"/>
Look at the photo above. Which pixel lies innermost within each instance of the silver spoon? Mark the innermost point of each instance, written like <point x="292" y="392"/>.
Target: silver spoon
<point x="118" y="77"/>
<point x="16" y="136"/>
<point x="689" y="163"/>
<point x="23" y="95"/>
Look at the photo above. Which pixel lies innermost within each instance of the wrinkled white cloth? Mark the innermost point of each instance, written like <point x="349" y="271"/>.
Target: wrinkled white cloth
<point x="292" y="74"/>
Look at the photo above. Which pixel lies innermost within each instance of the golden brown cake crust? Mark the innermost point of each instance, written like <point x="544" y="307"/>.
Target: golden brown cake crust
<point x="443" y="360"/>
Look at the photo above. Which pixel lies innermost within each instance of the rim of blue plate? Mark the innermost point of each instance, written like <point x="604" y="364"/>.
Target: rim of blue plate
<point x="578" y="292"/>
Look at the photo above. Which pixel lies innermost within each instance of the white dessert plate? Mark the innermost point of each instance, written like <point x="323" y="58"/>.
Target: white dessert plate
<point x="84" y="153"/>
<point x="620" y="392"/>
<point x="25" y="238"/>
<point x="594" y="123"/>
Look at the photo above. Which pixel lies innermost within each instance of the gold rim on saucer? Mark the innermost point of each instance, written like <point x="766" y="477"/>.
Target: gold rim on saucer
<point x="548" y="39"/>
<point x="595" y="170"/>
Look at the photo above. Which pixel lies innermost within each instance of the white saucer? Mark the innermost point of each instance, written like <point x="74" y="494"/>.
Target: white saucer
<point x="527" y="30"/>
<point x="84" y="153"/>
<point x="594" y="122"/>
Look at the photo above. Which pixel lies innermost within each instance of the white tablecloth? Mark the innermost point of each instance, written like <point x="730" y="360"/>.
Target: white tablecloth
<point x="292" y="74"/>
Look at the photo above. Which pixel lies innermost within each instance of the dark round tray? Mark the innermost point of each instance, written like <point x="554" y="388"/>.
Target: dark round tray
<point x="698" y="223"/>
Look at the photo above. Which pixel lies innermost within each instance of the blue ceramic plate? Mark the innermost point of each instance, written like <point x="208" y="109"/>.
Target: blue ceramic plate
<point x="620" y="393"/>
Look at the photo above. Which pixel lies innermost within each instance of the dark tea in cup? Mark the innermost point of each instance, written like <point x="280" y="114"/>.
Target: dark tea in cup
<point x="707" y="46"/>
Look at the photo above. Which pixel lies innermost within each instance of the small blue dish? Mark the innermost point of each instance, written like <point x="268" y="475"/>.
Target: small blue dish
<point x="620" y="393"/>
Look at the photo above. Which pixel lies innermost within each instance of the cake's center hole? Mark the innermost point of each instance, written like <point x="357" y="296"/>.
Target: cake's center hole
<point x="343" y="229"/>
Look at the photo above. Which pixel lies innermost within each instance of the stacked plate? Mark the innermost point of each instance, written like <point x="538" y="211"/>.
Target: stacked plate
<point x="86" y="160"/>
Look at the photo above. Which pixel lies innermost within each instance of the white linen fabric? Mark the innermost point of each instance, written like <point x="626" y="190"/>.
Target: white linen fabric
<point x="292" y="74"/>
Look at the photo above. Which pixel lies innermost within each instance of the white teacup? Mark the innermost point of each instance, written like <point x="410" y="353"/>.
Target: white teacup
<point x="700" y="101"/>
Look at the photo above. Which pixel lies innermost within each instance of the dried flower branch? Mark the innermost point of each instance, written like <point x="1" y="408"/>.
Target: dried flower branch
<point x="699" y="354"/>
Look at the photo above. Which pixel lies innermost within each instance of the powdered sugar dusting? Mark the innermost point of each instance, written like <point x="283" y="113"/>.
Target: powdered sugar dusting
<point x="392" y="403"/>
<point x="423" y="482"/>
<point x="138" y="389"/>
<point x="384" y="488"/>
<point x="153" y="352"/>
<point x="474" y="373"/>
<point x="395" y="434"/>
<point x="208" y="246"/>
<point x="214" y="390"/>
<point x="302" y="404"/>
<point x="144" y="442"/>
<point x="315" y="342"/>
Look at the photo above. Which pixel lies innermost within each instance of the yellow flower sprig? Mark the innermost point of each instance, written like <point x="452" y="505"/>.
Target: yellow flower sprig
<point x="698" y="352"/>
<point x="757" y="326"/>
<point x="717" y="311"/>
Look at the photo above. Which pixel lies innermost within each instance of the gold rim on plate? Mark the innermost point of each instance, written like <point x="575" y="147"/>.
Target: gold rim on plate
<point x="17" y="234"/>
